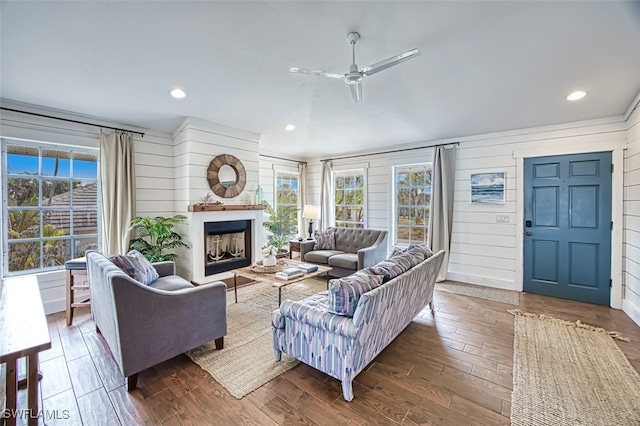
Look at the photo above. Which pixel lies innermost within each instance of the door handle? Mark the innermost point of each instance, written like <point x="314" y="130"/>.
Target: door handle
<point x="528" y="234"/>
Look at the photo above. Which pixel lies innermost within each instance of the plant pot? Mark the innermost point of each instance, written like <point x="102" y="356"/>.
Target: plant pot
<point x="269" y="260"/>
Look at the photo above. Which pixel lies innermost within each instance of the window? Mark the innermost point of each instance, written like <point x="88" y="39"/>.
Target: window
<point x="412" y="196"/>
<point x="348" y="187"/>
<point x="287" y="197"/>
<point x="51" y="208"/>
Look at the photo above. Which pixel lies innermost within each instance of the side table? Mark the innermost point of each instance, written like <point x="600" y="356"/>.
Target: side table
<point x="75" y="267"/>
<point x="294" y="245"/>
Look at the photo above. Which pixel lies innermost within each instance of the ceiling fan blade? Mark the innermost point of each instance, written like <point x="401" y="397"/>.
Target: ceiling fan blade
<point x="356" y="92"/>
<point x="389" y="62"/>
<point x="296" y="70"/>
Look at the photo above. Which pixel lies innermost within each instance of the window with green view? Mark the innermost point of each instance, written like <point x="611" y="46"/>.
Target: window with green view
<point x="412" y="197"/>
<point x="51" y="208"/>
<point x="287" y="184"/>
<point x="349" y="191"/>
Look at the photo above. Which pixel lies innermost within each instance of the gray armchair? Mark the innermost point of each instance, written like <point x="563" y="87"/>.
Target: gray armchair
<point x="355" y="249"/>
<point x="145" y="325"/>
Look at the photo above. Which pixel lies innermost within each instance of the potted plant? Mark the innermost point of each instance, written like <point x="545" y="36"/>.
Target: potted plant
<point x="155" y="236"/>
<point x="280" y="223"/>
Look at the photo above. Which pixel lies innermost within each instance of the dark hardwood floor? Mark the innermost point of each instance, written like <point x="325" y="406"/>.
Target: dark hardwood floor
<point x="450" y="368"/>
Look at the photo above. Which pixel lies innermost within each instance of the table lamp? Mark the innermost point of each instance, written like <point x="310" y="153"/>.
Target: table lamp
<point x="311" y="212"/>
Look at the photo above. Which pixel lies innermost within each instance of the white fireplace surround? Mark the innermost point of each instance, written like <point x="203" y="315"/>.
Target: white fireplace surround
<point x="196" y="231"/>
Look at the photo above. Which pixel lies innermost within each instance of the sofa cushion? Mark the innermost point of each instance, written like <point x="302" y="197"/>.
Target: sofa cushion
<point x="393" y="266"/>
<point x="344" y="293"/>
<point x="170" y="283"/>
<point x="321" y="256"/>
<point x="346" y="261"/>
<point x="417" y="252"/>
<point x="145" y="268"/>
<point x="325" y="240"/>
<point x="135" y="268"/>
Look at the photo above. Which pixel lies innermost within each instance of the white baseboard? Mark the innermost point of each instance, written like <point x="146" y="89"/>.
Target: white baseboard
<point x="631" y="310"/>
<point x="485" y="281"/>
<point x="53" y="306"/>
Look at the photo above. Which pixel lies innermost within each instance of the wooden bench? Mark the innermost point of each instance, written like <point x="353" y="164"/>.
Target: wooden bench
<point x="23" y="333"/>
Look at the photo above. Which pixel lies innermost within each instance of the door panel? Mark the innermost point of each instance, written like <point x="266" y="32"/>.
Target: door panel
<point x="567" y="241"/>
<point x="545" y="260"/>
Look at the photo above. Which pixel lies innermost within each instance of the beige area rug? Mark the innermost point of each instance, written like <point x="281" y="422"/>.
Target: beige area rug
<point x="570" y="374"/>
<point x="247" y="362"/>
<point x="496" y="294"/>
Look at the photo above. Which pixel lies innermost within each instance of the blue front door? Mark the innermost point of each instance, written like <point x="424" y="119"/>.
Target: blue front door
<point x="567" y="241"/>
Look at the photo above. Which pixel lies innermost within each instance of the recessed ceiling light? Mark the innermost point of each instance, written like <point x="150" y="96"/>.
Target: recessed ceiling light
<point x="576" y="96"/>
<point x="178" y="93"/>
<point x="290" y="127"/>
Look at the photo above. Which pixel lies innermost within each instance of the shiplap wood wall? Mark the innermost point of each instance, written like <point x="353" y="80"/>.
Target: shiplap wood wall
<point x="154" y="171"/>
<point x="196" y="143"/>
<point x="484" y="251"/>
<point x="631" y="260"/>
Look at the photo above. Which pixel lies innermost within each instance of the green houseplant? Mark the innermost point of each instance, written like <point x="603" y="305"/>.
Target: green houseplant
<point x="280" y="223"/>
<point x="155" y="235"/>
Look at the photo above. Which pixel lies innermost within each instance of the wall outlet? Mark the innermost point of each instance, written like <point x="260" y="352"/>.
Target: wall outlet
<point x="502" y="218"/>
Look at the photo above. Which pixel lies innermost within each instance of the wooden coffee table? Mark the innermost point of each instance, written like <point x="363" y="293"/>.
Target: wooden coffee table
<point x="247" y="272"/>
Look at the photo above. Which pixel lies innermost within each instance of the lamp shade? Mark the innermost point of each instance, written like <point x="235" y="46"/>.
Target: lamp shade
<point x="311" y="211"/>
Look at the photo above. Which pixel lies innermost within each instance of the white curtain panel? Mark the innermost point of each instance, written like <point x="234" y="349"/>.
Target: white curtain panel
<point x="441" y="207"/>
<point x="326" y="196"/>
<point x="118" y="182"/>
<point x="302" y="196"/>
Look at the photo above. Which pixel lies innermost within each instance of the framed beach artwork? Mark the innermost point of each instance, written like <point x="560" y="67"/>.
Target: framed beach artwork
<point x="488" y="188"/>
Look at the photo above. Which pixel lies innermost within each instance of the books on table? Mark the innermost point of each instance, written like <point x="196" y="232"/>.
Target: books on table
<point x="308" y="268"/>
<point x="289" y="273"/>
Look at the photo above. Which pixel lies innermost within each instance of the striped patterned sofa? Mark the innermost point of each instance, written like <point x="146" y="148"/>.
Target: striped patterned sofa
<point x="342" y="346"/>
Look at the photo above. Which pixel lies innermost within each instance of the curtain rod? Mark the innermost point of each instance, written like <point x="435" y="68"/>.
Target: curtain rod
<point x="71" y="121"/>
<point x="281" y="158"/>
<point x="389" y="152"/>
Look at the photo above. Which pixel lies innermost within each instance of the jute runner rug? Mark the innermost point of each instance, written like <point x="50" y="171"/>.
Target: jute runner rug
<point x="570" y="374"/>
<point x="247" y="361"/>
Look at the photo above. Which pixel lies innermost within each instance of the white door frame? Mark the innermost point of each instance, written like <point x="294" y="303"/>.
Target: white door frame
<point x="617" y="210"/>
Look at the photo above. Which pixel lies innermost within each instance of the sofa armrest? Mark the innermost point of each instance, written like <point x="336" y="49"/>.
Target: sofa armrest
<point x="305" y="247"/>
<point x="165" y="268"/>
<point x="370" y="256"/>
<point x="318" y="318"/>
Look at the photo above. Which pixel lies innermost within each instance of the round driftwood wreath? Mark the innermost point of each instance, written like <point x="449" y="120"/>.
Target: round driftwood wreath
<point x="226" y="189"/>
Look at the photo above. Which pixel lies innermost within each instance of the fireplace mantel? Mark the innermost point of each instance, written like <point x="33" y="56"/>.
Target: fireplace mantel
<point x="220" y="213"/>
<point x="222" y="207"/>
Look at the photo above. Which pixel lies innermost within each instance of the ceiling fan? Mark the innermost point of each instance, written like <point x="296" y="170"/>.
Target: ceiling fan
<point x="354" y="77"/>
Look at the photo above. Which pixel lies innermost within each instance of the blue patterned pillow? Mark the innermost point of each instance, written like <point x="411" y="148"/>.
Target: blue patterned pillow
<point x="133" y="265"/>
<point x="415" y="250"/>
<point x="145" y="269"/>
<point x="393" y="267"/>
<point x="325" y="240"/>
<point x="344" y="293"/>
<point x="424" y="249"/>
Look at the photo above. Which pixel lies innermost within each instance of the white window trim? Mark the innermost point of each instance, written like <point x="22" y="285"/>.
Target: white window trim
<point x="290" y="170"/>
<point x="4" y="211"/>
<point x="394" y="199"/>
<point x="365" y="183"/>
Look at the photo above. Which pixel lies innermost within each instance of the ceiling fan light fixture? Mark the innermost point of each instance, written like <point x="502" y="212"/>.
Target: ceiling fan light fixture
<point x="576" y="96"/>
<point x="353" y="78"/>
<point x="177" y="93"/>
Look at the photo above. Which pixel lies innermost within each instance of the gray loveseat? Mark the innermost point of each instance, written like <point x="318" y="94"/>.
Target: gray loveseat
<point x="355" y="249"/>
<point x="148" y="324"/>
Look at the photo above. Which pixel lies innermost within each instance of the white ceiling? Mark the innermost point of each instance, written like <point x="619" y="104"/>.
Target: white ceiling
<point x="485" y="66"/>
